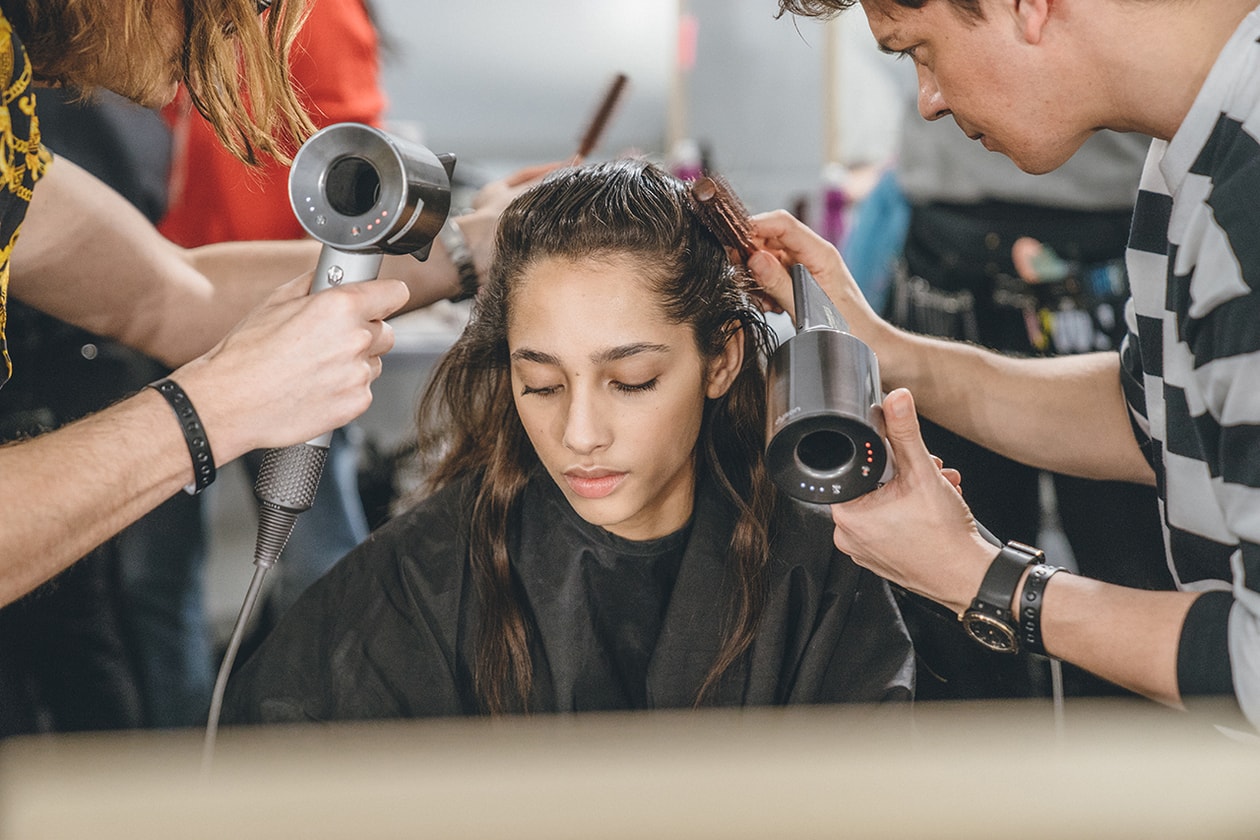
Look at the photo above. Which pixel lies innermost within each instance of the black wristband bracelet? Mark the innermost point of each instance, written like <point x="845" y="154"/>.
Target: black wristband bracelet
<point x="1030" y="607"/>
<point x="194" y="434"/>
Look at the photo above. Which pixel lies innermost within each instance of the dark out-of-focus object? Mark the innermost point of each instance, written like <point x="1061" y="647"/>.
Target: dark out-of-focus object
<point x="824" y="419"/>
<point x="603" y="115"/>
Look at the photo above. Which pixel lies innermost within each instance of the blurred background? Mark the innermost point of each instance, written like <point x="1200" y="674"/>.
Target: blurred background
<point x="502" y="85"/>
<point x="790" y="112"/>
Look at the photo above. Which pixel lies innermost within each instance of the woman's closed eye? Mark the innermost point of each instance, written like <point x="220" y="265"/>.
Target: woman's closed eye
<point x="622" y="387"/>
<point x="637" y="388"/>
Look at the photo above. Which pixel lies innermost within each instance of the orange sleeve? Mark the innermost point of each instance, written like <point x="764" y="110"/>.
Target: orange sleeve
<point x="216" y="198"/>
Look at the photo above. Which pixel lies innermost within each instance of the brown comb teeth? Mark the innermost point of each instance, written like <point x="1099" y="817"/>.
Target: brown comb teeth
<point x="723" y="213"/>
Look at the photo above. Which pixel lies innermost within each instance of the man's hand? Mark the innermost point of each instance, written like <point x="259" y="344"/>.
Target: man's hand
<point x="297" y="366"/>
<point x="489" y="203"/>
<point x="916" y="530"/>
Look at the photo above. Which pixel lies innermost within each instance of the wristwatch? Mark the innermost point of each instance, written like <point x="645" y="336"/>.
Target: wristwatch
<point x="989" y="620"/>
<point x="452" y="239"/>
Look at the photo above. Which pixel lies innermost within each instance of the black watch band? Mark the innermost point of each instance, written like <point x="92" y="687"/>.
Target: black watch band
<point x="989" y="619"/>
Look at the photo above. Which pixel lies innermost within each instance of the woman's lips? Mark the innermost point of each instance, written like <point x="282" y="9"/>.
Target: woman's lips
<point x="595" y="484"/>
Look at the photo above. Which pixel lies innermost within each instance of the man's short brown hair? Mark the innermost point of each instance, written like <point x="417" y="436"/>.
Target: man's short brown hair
<point x="831" y="8"/>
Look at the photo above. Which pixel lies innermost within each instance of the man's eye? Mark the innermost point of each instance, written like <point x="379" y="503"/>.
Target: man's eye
<point x="627" y="388"/>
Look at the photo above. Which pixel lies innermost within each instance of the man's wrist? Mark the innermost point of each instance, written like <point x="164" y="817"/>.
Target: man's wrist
<point x="195" y="437"/>
<point x="468" y="280"/>
<point x="990" y="619"/>
<point x="1028" y="606"/>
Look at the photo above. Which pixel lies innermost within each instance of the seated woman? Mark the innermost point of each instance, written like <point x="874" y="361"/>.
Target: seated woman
<point x="601" y="532"/>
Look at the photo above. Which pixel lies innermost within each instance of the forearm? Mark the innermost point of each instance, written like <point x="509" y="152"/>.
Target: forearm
<point x="242" y="273"/>
<point x="1128" y="636"/>
<point x="428" y="281"/>
<point x="1066" y="414"/>
<point x="88" y="257"/>
<point x="67" y="491"/>
<point x="298" y="367"/>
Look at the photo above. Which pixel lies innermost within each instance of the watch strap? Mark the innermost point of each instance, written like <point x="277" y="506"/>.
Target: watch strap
<point x="997" y="590"/>
<point x="452" y="239"/>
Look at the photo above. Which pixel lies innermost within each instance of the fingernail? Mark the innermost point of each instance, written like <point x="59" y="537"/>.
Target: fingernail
<point x="901" y="406"/>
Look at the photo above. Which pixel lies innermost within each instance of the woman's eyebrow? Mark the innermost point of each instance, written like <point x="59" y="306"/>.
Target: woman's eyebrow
<point x="524" y="354"/>
<point x="611" y="354"/>
<point x="624" y="351"/>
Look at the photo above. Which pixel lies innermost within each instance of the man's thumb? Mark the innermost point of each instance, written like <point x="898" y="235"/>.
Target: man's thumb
<point x="901" y="426"/>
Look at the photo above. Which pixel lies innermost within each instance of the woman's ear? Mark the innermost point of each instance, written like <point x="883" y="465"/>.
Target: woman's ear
<point x="725" y="366"/>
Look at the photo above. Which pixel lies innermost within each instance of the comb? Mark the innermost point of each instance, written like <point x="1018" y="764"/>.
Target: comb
<point x="599" y="122"/>
<point x="722" y="212"/>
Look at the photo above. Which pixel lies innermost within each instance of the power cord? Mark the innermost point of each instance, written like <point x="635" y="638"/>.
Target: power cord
<point x="286" y="485"/>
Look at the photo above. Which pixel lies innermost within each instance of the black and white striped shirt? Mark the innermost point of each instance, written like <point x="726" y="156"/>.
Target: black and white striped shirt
<point x="1191" y="364"/>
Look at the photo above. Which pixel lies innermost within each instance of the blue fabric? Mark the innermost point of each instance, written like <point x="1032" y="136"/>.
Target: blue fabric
<point x="877" y="238"/>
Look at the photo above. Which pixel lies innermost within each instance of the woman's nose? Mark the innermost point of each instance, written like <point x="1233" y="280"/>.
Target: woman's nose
<point x="585" y="427"/>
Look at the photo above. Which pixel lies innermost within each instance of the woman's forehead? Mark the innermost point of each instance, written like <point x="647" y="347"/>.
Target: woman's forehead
<point x="552" y="283"/>
<point x="572" y="300"/>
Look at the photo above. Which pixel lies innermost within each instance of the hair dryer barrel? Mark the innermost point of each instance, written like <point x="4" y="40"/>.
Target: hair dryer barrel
<point x="825" y="423"/>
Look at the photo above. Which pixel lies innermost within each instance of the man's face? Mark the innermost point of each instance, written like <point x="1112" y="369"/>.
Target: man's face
<point x="1001" y="90"/>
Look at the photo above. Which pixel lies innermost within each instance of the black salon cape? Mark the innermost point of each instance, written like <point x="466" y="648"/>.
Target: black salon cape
<point x="390" y="631"/>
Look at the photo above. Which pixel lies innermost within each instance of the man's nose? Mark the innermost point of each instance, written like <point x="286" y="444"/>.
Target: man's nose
<point x="932" y="105"/>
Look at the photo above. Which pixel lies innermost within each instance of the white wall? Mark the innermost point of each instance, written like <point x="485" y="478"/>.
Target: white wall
<point x="503" y="84"/>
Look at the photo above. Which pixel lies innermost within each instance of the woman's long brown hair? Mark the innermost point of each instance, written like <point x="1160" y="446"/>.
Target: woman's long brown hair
<point x="626" y="209"/>
<point x="236" y="64"/>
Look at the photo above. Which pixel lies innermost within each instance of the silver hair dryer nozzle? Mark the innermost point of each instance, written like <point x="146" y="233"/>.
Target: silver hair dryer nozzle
<point x="825" y="423"/>
<point x="360" y="189"/>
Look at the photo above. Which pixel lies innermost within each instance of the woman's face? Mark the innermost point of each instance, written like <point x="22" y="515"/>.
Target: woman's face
<point x="610" y="393"/>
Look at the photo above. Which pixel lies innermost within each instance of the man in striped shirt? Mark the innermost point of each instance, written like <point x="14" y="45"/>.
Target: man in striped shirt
<point x="1178" y="407"/>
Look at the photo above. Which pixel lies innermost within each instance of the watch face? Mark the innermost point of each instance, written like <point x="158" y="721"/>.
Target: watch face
<point x="990" y="632"/>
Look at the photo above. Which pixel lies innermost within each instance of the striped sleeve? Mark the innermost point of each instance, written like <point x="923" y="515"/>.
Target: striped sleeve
<point x="1212" y="409"/>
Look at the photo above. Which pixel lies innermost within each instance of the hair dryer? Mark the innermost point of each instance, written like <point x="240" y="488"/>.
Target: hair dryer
<point x="824" y="420"/>
<point x="363" y="193"/>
